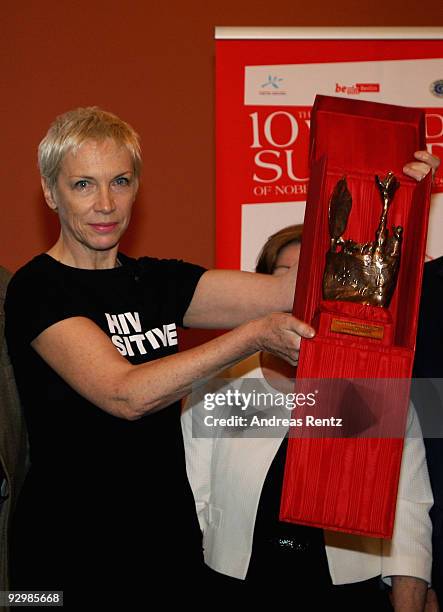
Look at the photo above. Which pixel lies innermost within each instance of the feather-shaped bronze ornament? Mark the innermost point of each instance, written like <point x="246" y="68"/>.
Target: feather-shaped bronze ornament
<point x="340" y="206"/>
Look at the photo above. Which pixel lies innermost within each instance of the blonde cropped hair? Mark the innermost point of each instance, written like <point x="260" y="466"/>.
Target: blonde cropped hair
<point x="268" y="256"/>
<point x="70" y="130"/>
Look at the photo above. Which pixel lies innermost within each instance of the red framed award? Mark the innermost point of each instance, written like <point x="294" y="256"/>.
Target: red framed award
<point x="359" y="284"/>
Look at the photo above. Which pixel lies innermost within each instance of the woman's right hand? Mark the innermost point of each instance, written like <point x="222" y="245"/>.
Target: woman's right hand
<point x="280" y="334"/>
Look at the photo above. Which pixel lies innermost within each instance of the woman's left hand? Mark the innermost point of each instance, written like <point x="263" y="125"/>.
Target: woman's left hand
<point x="425" y="163"/>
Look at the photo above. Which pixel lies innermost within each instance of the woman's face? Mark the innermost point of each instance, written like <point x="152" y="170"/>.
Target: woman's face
<point x="94" y="194"/>
<point x="287" y="257"/>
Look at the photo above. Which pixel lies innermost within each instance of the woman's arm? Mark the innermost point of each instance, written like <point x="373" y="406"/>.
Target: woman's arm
<point x="224" y="299"/>
<point x="83" y="355"/>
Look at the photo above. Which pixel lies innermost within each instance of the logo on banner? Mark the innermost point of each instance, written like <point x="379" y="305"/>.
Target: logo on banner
<point x="272" y="86"/>
<point x="272" y="81"/>
<point x="436" y="88"/>
<point x="357" y="88"/>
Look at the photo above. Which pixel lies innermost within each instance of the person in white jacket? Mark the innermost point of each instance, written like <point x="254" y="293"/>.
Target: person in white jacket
<point x="237" y="479"/>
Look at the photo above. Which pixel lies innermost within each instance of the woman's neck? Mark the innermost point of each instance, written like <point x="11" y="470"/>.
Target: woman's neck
<point x="83" y="257"/>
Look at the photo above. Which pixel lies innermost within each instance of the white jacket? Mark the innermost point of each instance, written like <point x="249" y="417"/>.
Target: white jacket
<point x="227" y="476"/>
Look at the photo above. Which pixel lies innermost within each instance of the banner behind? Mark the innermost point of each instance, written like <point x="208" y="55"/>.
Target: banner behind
<point x="265" y="89"/>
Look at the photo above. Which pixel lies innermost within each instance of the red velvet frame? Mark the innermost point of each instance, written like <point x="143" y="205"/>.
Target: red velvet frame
<point x="350" y="484"/>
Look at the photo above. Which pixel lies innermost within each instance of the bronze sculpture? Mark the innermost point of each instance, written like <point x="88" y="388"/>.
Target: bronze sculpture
<point x="365" y="273"/>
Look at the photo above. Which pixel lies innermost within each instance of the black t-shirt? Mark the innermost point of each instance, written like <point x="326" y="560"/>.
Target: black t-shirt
<point x="92" y="473"/>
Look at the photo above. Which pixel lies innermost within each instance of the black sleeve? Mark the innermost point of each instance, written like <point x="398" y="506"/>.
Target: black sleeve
<point x="35" y="300"/>
<point x="189" y="275"/>
<point x="173" y="280"/>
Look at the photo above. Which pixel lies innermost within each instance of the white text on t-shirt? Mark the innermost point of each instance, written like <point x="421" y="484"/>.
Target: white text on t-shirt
<point x="122" y="327"/>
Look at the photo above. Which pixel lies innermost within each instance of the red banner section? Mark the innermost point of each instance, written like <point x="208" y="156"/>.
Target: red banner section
<point x="264" y="93"/>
